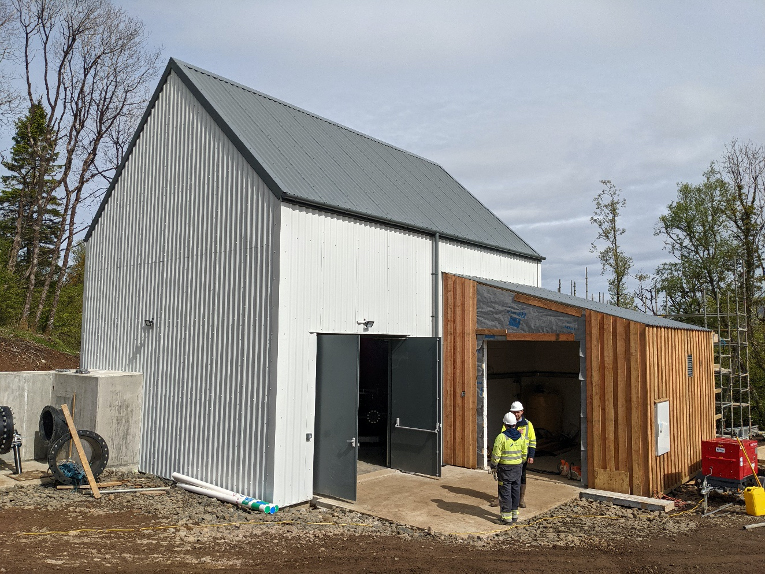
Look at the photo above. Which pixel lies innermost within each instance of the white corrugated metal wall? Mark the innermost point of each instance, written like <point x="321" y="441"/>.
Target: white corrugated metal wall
<point x="188" y="240"/>
<point x="336" y="271"/>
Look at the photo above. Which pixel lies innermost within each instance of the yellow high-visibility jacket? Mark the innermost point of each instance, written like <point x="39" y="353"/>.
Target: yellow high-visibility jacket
<point x="527" y="430"/>
<point x="508" y="451"/>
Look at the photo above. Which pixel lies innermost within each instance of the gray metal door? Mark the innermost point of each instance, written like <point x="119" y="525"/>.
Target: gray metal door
<point x="336" y="425"/>
<point x="415" y="438"/>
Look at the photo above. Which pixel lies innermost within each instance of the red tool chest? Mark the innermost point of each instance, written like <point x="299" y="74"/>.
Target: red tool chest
<point x="723" y="458"/>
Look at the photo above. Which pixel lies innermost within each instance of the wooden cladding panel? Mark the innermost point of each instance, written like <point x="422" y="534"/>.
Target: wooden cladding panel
<point x="459" y="372"/>
<point x="616" y="379"/>
<point x="691" y="402"/>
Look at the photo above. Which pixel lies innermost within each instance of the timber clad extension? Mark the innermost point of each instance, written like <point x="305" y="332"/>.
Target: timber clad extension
<point x="629" y="366"/>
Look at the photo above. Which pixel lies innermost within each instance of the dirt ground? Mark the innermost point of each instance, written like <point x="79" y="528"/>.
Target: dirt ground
<point x="46" y="529"/>
<point x="23" y="355"/>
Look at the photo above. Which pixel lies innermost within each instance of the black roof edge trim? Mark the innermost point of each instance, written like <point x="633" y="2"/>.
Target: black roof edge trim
<point x="398" y="225"/>
<point x="173" y="66"/>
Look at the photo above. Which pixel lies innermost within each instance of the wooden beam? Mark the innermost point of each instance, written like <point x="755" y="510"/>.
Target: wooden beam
<point x="550" y="305"/>
<point x="78" y="445"/>
<point x="540" y="336"/>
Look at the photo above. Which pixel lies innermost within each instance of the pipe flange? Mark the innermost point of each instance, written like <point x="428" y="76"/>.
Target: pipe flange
<point x="6" y="430"/>
<point x="95" y="449"/>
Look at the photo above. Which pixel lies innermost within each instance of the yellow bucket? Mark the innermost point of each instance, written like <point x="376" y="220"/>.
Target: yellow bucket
<point x="754" y="496"/>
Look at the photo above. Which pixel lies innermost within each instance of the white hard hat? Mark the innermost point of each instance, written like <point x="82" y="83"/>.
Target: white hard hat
<point x="509" y="419"/>
<point x="516" y="406"/>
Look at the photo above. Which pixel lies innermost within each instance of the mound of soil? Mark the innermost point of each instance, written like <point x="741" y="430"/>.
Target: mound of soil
<point x="23" y="355"/>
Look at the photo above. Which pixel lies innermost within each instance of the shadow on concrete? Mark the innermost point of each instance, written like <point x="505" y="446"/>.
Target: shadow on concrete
<point x="462" y="491"/>
<point x="465" y="509"/>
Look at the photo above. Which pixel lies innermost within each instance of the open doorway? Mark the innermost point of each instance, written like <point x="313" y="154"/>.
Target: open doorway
<point x="374" y="406"/>
<point x="544" y="376"/>
<point x="377" y="404"/>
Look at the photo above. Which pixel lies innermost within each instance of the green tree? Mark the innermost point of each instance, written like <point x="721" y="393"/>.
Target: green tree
<point x="27" y="201"/>
<point x="608" y="206"/>
<point x="698" y="235"/>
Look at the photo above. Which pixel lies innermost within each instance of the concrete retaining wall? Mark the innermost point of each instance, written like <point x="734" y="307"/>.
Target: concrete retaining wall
<point x="108" y="403"/>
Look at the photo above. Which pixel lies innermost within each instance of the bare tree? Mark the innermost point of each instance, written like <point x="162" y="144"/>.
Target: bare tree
<point x="608" y="206"/>
<point x="9" y="97"/>
<point x="88" y="62"/>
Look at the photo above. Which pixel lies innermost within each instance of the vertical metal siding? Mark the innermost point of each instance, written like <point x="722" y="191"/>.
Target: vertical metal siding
<point x="336" y="271"/>
<point x="464" y="259"/>
<point x="186" y="240"/>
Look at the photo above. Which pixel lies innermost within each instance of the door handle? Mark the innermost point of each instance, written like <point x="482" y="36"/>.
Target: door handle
<point x="352" y="441"/>
<point x="398" y="426"/>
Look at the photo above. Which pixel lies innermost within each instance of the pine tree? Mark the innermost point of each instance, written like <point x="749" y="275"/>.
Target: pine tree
<point x="28" y="204"/>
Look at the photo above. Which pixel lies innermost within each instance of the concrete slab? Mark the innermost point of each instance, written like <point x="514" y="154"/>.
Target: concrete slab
<point x="28" y="467"/>
<point x="456" y="503"/>
<point x="628" y="500"/>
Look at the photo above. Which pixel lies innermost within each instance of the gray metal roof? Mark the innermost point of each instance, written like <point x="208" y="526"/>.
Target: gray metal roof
<point x="307" y="159"/>
<point x="580" y="302"/>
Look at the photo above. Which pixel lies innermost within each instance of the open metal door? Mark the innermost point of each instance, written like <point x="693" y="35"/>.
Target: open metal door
<point x="415" y="438"/>
<point x="336" y="426"/>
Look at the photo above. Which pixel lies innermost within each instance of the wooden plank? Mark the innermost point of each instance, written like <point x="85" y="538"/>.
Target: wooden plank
<point x="643" y="408"/>
<point x="621" y="385"/>
<point x="612" y="480"/>
<point x="608" y="396"/>
<point x="549" y="305"/>
<point x="87" y="486"/>
<point x="448" y="429"/>
<point x="471" y="367"/>
<point x="628" y="500"/>
<point x="596" y="420"/>
<point x="459" y="378"/>
<point x="540" y="336"/>
<point x="591" y="356"/>
<point x="78" y="445"/>
<point x="634" y="440"/>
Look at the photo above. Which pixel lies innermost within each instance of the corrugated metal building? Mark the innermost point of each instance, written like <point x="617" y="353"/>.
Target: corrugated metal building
<point x="276" y="277"/>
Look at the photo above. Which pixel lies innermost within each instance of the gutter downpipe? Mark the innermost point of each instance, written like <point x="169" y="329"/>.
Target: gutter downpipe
<point x="436" y="283"/>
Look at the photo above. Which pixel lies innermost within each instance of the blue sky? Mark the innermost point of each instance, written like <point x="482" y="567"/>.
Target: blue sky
<point x="527" y="104"/>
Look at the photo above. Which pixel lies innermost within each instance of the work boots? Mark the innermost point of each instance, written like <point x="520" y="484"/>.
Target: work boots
<point x="522" y="503"/>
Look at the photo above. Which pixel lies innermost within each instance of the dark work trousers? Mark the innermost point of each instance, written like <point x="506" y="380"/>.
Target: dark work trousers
<point x="509" y="486"/>
<point x="523" y="474"/>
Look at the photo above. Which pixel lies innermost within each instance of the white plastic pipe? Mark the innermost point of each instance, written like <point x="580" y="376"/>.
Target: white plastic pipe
<point x="201" y="487"/>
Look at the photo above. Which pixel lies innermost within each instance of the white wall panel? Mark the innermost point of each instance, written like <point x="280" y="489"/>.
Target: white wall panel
<point x="335" y="272"/>
<point x="186" y="240"/>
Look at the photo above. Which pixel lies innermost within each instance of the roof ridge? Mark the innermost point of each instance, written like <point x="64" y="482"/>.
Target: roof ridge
<point x="301" y="110"/>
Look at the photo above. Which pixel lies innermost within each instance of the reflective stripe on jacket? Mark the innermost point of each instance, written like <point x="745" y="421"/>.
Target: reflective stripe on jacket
<point x="527" y="430"/>
<point x="508" y="451"/>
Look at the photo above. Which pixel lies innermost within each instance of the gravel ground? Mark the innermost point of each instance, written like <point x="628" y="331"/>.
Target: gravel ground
<point x="579" y="523"/>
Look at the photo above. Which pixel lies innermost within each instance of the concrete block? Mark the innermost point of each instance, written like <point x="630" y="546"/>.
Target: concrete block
<point x="108" y="403"/>
<point x="26" y="392"/>
<point x="629" y="500"/>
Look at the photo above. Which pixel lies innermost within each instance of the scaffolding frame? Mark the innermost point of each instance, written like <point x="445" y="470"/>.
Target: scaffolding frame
<point x="733" y="397"/>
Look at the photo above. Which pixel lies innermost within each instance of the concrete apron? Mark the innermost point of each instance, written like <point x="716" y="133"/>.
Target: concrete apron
<point x="29" y="468"/>
<point x="456" y="503"/>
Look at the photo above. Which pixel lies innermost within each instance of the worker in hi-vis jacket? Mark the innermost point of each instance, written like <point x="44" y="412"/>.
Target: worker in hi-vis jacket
<point x="524" y="427"/>
<point x="507" y="458"/>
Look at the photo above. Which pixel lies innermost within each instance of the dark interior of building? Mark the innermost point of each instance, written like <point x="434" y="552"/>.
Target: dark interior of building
<point x="373" y="402"/>
<point x="544" y="376"/>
